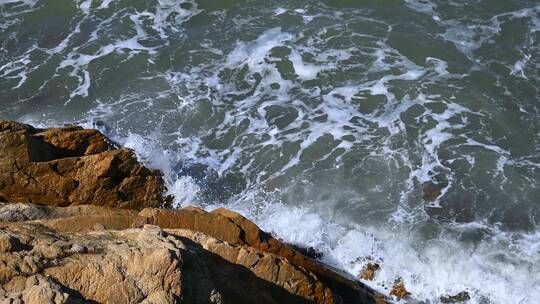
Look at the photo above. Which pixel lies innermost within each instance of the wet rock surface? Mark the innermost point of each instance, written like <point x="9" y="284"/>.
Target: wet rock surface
<point x="431" y="191"/>
<point x="461" y="297"/>
<point x="369" y="271"/>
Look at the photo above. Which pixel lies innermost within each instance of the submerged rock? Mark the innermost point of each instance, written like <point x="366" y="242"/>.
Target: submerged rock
<point x="310" y="252"/>
<point x="431" y="191"/>
<point x="72" y="166"/>
<point x="457" y="298"/>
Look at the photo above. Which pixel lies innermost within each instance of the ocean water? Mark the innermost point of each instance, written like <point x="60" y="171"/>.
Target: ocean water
<point x="402" y="132"/>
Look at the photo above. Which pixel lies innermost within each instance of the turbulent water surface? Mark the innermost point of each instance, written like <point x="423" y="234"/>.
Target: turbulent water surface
<point x="404" y="132"/>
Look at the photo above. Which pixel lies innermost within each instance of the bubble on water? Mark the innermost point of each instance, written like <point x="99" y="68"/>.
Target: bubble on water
<point x="185" y="191"/>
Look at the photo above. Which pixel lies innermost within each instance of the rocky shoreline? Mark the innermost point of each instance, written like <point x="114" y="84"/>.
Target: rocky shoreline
<point x="82" y="221"/>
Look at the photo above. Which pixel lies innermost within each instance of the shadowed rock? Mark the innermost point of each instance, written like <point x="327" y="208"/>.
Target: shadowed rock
<point x="235" y="229"/>
<point x="89" y="253"/>
<point x="148" y="265"/>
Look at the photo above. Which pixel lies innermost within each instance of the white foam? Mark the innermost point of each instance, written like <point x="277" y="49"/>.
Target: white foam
<point x="185" y="191"/>
<point x="105" y="4"/>
<point x="280" y="11"/>
<point x="149" y="150"/>
<point x="440" y="66"/>
<point x="79" y="62"/>
<point x="85" y="6"/>
<point x="75" y="64"/>
<point x="519" y="66"/>
<point x="423" y="6"/>
<point x="167" y="8"/>
<point x="302" y="69"/>
<point x="254" y="53"/>
<point x="4" y="2"/>
<point x="429" y="269"/>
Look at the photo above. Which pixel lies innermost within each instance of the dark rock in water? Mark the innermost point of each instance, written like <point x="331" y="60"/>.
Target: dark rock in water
<point x="72" y="166"/>
<point x="456" y="206"/>
<point x="99" y="124"/>
<point x="431" y="191"/>
<point x="473" y="235"/>
<point x="103" y="127"/>
<point x="520" y="217"/>
<point x="51" y="39"/>
<point x="310" y="252"/>
<point x="369" y="271"/>
<point x="460" y="297"/>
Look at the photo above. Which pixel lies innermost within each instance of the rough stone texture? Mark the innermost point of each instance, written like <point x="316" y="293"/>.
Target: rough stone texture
<point x="107" y="267"/>
<point x="368" y="271"/>
<point x="399" y="290"/>
<point x="59" y="256"/>
<point x="71" y="218"/>
<point x="286" y="278"/>
<point x="72" y="166"/>
<point x="147" y="265"/>
<point x="235" y="229"/>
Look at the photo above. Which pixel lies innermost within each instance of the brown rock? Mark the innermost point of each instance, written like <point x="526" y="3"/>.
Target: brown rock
<point x="36" y="289"/>
<point x="399" y="290"/>
<point x="72" y="166"/>
<point x="92" y="222"/>
<point x="368" y="271"/>
<point x="288" y="278"/>
<point x="235" y="229"/>
<point x="154" y="265"/>
<point x="216" y="226"/>
<point x="70" y="219"/>
<point x="380" y="299"/>
<point x="75" y="141"/>
<point x="9" y="243"/>
<point x="252" y="235"/>
<point x="41" y="289"/>
<point x="149" y="265"/>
